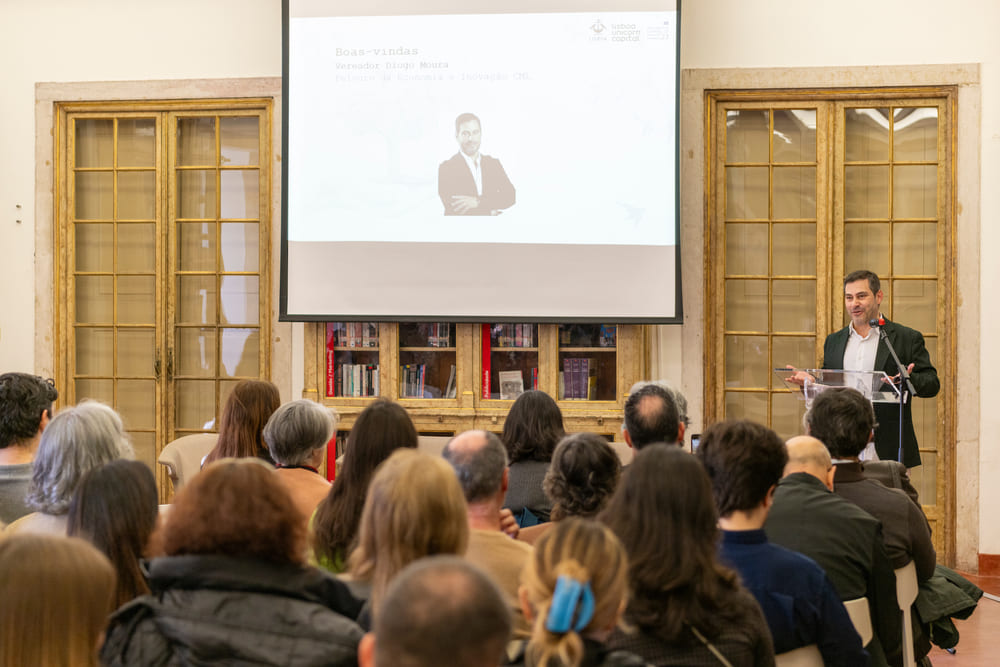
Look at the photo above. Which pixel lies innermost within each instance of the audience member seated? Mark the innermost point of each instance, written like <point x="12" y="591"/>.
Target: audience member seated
<point x="296" y="435"/>
<point x="531" y="432"/>
<point x="844" y="421"/>
<point x="573" y="591"/>
<point x="684" y="606"/>
<point x="414" y="508"/>
<point x="76" y="441"/>
<point x="57" y="594"/>
<point x="25" y="410"/>
<point x="233" y="588"/>
<point x="480" y="463"/>
<point x="115" y="508"/>
<point x="843" y="539"/>
<point x="241" y="425"/>
<point x="653" y="428"/>
<point x="380" y="429"/>
<point x="745" y="460"/>
<point x="651" y="417"/>
<point x="583" y="475"/>
<point x="438" y="611"/>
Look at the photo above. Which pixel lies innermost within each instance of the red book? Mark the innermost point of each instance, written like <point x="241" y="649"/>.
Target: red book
<point x="486" y="361"/>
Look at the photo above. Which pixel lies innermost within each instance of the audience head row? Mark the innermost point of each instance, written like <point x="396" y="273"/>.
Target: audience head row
<point x="249" y="405"/>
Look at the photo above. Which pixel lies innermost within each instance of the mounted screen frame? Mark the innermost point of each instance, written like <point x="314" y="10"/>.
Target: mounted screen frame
<point x="575" y="246"/>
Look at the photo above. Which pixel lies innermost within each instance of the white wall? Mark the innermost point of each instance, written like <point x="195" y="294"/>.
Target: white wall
<point x="115" y="40"/>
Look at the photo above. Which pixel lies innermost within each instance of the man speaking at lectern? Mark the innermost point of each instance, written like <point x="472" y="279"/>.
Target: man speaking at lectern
<point x="859" y="347"/>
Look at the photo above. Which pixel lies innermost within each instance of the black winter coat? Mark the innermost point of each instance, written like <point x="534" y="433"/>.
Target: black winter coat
<point x="217" y="610"/>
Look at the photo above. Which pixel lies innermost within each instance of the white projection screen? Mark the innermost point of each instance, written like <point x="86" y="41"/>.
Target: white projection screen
<point x="472" y="160"/>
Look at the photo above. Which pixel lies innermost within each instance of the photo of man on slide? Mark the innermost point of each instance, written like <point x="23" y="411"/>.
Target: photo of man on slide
<point x="470" y="183"/>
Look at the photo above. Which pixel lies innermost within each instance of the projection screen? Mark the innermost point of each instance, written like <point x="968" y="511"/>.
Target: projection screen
<point x="480" y="161"/>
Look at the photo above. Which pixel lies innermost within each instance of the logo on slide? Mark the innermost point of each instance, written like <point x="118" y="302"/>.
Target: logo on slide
<point x="597" y="27"/>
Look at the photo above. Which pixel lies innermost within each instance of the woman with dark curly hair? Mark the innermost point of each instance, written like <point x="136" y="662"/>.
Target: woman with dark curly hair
<point x="583" y="475"/>
<point x="531" y="431"/>
<point x="687" y="609"/>
<point x="233" y="586"/>
<point x="380" y="429"/>
<point x="241" y="425"/>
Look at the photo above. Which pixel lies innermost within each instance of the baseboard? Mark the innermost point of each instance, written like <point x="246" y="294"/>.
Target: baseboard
<point x="989" y="565"/>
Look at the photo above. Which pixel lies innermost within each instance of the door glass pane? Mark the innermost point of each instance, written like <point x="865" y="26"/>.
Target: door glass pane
<point x="794" y="250"/>
<point x="240" y="247"/>
<point x="94" y="195"/>
<point x="747" y="405"/>
<point x="240" y="194"/>
<point x="798" y="351"/>
<point x="240" y="300"/>
<point x="196" y="141"/>
<point x="136" y="142"/>
<point x="914" y="134"/>
<point x="93" y="246"/>
<point x="746" y="305"/>
<point x="239" y="141"/>
<point x="914" y="191"/>
<point x="99" y="390"/>
<point x="867" y="134"/>
<point x="196" y="246"/>
<point x="94" y="348"/>
<point x="137" y="403"/>
<point x="794" y="193"/>
<point x="924" y="478"/>
<point x="914" y="248"/>
<point x="787" y="410"/>
<point x="746" y="249"/>
<point x="136" y="352"/>
<point x="94" y="142"/>
<point x="196" y="193"/>
<point x="746" y="193"/>
<point x="195" y="352"/>
<point x="93" y="299"/>
<point x="867" y="192"/>
<point x="746" y="362"/>
<point x="866" y="245"/>
<point x="137" y="299"/>
<point x="793" y="305"/>
<point x="794" y="135"/>
<point x="137" y="247"/>
<point x="136" y="195"/>
<point x="195" y="401"/>
<point x="196" y="299"/>
<point x="915" y="303"/>
<point x="747" y="135"/>
<point x="144" y="444"/>
<point x="239" y="352"/>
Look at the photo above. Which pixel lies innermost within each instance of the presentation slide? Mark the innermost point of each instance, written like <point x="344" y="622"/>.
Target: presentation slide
<point x="455" y="130"/>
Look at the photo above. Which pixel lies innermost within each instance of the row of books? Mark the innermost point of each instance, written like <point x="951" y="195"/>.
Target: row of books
<point x="513" y="335"/>
<point x="353" y="380"/>
<point x="588" y="335"/>
<point x="439" y="334"/>
<point x="352" y="334"/>
<point x="578" y="379"/>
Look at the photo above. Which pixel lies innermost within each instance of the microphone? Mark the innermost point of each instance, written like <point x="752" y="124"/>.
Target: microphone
<point x="877" y="322"/>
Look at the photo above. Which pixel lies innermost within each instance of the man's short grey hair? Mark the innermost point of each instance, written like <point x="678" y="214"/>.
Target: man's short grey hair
<point x="77" y="440"/>
<point x="441" y="610"/>
<point x="680" y="402"/>
<point x="480" y="469"/>
<point x="297" y="429"/>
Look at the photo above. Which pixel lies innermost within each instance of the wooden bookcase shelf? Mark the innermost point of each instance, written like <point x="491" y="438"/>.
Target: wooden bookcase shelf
<point x="417" y="363"/>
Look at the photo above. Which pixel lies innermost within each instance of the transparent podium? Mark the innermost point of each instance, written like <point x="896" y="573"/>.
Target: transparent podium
<point x="876" y="386"/>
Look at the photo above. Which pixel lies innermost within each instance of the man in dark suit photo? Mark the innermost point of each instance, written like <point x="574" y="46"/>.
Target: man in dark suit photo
<point x="858" y="347"/>
<point x="470" y="183"/>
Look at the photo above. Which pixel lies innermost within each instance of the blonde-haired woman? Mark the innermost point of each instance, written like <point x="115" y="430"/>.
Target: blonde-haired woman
<point x="414" y="508"/>
<point x="57" y="594"/>
<point x="573" y="591"/>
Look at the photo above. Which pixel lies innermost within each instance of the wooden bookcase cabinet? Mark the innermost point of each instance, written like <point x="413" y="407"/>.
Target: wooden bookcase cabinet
<point x="617" y="368"/>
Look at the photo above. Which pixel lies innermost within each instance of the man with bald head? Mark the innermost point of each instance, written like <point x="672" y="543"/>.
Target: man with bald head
<point x="480" y="462"/>
<point x="846" y="541"/>
<point x="650" y="417"/>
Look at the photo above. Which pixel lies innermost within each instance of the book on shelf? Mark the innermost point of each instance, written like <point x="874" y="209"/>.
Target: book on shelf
<point x="579" y="378"/>
<point x="449" y="391"/>
<point x="485" y="360"/>
<point x="534" y="377"/>
<point x="511" y="384"/>
<point x="608" y="335"/>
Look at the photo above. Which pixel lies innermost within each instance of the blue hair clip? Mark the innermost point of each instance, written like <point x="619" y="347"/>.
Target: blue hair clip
<point x="570" y="599"/>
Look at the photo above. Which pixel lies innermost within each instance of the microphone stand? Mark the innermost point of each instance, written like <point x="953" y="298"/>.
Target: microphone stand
<point x="904" y="377"/>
